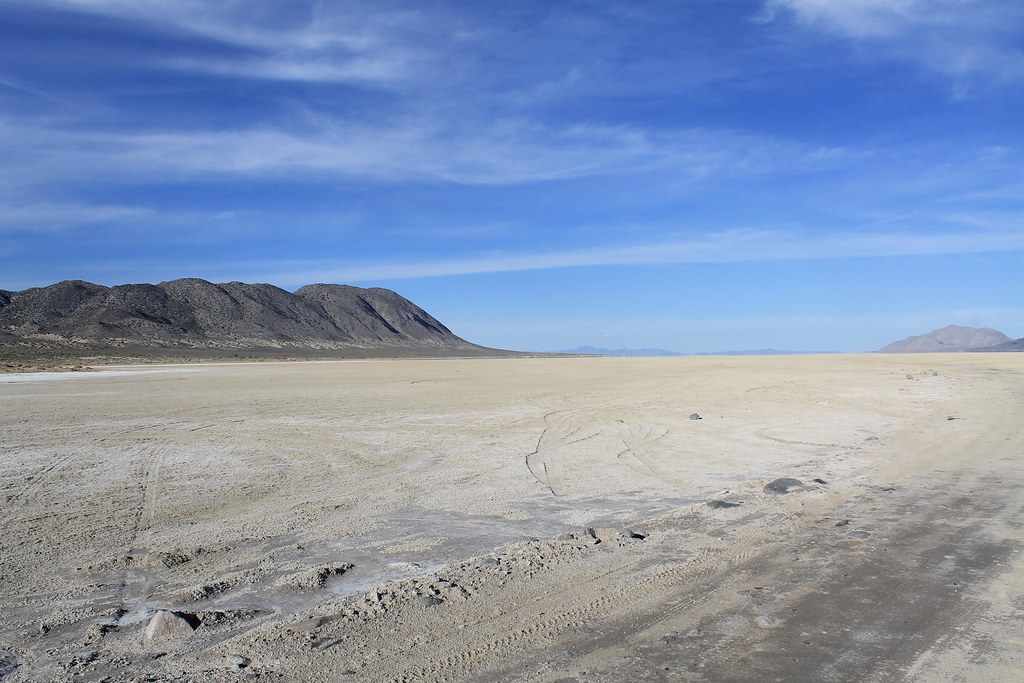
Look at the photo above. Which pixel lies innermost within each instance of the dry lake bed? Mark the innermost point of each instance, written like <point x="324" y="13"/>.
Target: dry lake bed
<point x="827" y="518"/>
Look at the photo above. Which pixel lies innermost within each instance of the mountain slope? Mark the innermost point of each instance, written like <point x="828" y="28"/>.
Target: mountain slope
<point x="949" y="338"/>
<point x="1015" y="345"/>
<point x="198" y="314"/>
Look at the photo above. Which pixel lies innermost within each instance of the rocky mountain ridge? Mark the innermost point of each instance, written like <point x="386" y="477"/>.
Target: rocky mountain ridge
<point x="194" y="313"/>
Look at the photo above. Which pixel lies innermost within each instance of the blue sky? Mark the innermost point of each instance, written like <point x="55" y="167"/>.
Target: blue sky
<point x="696" y="175"/>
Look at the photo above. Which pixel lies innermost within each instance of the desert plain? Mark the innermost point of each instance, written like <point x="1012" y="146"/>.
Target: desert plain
<point x="827" y="518"/>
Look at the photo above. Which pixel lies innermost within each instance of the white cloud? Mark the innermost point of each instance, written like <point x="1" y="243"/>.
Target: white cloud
<point x="53" y="216"/>
<point x="367" y="70"/>
<point x="237" y="22"/>
<point x="507" y="152"/>
<point x="965" y="40"/>
<point x="861" y="18"/>
<point x="733" y="246"/>
<point x="300" y="41"/>
<point x="126" y="224"/>
<point x="390" y="45"/>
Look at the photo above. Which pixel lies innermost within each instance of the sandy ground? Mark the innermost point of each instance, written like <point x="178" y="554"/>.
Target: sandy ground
<point x="428" y="520"/>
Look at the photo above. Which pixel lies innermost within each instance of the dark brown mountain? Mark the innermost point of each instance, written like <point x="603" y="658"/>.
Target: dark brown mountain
<point x="950" y="338"/>
<point x="197" y="314"/>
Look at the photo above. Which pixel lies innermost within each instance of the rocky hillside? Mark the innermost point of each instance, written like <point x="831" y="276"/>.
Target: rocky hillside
<point x="950" y="338"/>
<point x="197" y="314"/>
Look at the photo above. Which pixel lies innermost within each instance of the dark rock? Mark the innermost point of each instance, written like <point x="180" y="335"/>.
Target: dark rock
<point x="721" y="504"/>
<point x="842" y="522"/>
<point x="819" y="480"/>
<point x="783" y="485"/>
<point x="637" y="535"/>
<point x="237" y="662"/>
<point x="695" y="416"/>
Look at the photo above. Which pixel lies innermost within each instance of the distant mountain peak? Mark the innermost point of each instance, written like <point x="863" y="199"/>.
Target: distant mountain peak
<point x="949" y="338"/>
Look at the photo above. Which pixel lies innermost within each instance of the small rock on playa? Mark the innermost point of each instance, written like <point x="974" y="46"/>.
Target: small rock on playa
<point x="633" y="533"/>
<point x="167" y="624"/>
<point x="237" y="662"/>
<point x="783" y="485"/>
<point x="604" y="533"/>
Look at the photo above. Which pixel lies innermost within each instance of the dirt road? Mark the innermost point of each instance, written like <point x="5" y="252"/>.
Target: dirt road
<point x="519" y="519"/>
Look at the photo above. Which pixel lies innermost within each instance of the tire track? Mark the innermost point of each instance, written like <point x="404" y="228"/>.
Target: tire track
<point x="687" y="585"/>
<point x="763" y="434"/>
<point x="40" y="477"/>
<point x="132" y="583"/>
<point x="637" y="439"/>
<point x="671" y="577"/>
<point x="545" y="462"/>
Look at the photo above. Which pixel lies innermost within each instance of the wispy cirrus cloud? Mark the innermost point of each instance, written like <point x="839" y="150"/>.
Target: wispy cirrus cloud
<point x="965" y="40"/>
<point x="254" y="23"/>
<point x="729" y="246"/>
<point x="520" y="53"/>
<point x="735" y="246"/>
<point x="374" y="71"/>
<point x="121" y="222"/>
<point x="508" y="152"/>
<point x="53" y="216"/>
<point x="300" y="41"/>
<point x="28" y="89"/>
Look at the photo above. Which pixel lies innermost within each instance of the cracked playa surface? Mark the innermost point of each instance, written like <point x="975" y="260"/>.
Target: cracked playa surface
<point x="522" y="519"/>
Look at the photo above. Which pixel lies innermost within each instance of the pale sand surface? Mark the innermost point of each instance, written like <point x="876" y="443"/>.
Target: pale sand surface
<point x="426" y="520"/>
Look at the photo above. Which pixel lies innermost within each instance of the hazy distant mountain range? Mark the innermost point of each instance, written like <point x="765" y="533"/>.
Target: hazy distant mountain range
<point x="193" y="313"/>
<point x="949" y="338"/>
<point x="956" y="338"/>
<point x="595" y="351"/>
